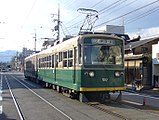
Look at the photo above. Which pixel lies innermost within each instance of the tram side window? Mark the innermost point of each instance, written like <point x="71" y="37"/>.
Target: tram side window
<point x="53" y="61"/>
<point x="39" y="63"/>
<point x="79" y="53"/>
<point x="56" y="60"/>
<point x="65" y="59"/>
<point x="70" y="58"/>
<point x="49" y="61"/>
<point x="60" y="56"/>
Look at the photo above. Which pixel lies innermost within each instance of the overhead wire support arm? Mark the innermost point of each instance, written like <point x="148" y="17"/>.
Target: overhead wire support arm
<point x="91" y="17"/>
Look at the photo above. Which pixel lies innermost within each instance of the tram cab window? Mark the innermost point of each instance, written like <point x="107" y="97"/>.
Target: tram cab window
<point x="102" y="54"/>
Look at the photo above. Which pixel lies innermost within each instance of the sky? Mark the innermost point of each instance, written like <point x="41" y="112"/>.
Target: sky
<point x="21" y="19"/>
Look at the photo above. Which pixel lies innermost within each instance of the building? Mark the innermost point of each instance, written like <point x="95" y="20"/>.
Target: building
<point x="138" y="61"/>
<point x="18" y="61"/>
<point x="155" y="65"/>
<point x="112" y="29"/>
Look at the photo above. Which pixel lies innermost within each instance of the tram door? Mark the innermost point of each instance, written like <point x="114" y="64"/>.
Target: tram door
<point x="74" y="65"/>
<point x="55" y="66"/>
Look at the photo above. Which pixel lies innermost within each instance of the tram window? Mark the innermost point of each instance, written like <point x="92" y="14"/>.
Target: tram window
<point x="64" y="63"/>
<point x="75" y="55"/>
<point x="49" y="58"/>
<point x="49" y="64"/>
<point x="65" y="54"/>
<point x="102" y="54"/>
<point x="39" y="63"/>
<point x="65" y="59"/>
<point x="60" y="56"/>
<point x="52" y="60"/>
<point x="56" y="60"/>
<point x="80" y="56"/>
<point x="70" y="58"/>
<point x="70" y="63"/>
<point x="70" y="53"/>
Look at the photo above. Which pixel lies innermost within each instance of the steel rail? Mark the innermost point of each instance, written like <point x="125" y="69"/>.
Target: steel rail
<point x="42" y="98"/>
<point x="17" y="105"/>
<point x="107" y="111"/>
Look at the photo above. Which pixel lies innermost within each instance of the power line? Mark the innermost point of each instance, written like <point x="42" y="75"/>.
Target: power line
<point x="143" y="15"/>
<point x="69" y="3"/>
<point x="66" y="28"/>
<point x="109" y="6"/>
<point x="27" y="16"/>
<point x="114" y="4"/>
<point x="97" y="3"/>
<point x="126" y="5"/>
<point x="126" y="13"/>
<point x="80" y="15"/>
<point x="77" y="23"/>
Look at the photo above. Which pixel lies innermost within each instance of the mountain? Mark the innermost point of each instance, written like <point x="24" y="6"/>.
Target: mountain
<point x="6" y="56"/>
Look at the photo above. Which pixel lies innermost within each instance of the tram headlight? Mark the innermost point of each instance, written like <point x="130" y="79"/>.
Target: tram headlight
<point x="117" y="74"/>
<point x="91" y="74"/>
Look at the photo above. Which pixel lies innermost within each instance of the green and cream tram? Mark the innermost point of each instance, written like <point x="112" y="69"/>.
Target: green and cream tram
<point x="88" y="66"/>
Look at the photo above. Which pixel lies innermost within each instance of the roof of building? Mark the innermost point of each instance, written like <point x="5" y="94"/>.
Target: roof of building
<point x="139" y="43"/>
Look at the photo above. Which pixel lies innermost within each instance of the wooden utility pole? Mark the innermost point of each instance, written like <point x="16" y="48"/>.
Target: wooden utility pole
<point x="35" y="42"/>
<point x="57" y="27"/>
<point x="58" y="23"/>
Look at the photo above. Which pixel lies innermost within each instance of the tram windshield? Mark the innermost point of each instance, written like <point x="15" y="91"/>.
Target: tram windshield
<point x="103" y="54"/>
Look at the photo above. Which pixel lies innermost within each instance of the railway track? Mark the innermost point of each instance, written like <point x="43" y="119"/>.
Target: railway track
<point x="98" y="106"/>
<point x="16" y="103"/>
<point x="111" y="110"/>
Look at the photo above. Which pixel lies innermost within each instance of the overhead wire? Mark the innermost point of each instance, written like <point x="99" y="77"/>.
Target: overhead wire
<point x="80" y="15"/>
<point x="79" y="22"/>
<point x="119" y="3"/>
<point x="97" y="3"/>
<point x="69" y="3"/>
<point x="142" y="15"/>
<point x="108" y="7"/>
<point x="66" y="28"/>
<point x="126" y="13"/>
<point x="122" y="7"/>
<point x="27" y="16"/>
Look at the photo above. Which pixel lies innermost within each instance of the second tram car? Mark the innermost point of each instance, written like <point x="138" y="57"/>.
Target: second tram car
<point x="88" y="66"/>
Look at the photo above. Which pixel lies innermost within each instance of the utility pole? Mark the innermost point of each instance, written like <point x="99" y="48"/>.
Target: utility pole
<point x="57" y="27"/>
<point x="58" y="23"/>
<point x="35" y="42"/>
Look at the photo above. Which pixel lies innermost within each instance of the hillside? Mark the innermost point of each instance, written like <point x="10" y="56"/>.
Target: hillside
<point x="6" y="56"/>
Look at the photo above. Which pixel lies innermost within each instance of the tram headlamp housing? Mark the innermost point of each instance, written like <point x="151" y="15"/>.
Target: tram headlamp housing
<point x="117" y="74"/>
<point x="91" y="74"/>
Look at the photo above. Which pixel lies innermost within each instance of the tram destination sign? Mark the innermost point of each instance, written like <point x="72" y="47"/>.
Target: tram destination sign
<point x="103" y="41"/>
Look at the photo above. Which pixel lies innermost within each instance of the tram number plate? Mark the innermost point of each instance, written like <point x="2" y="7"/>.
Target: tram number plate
<point x="104" y="79"/>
